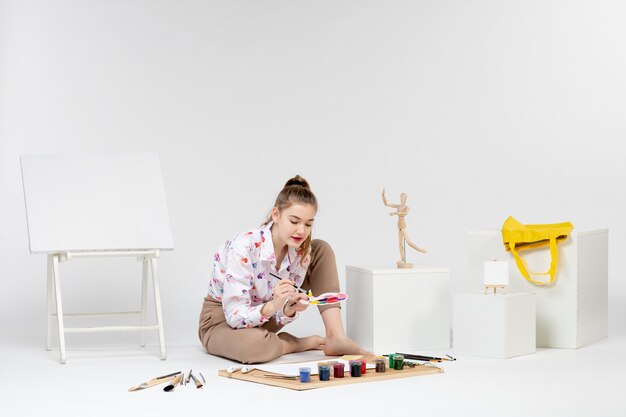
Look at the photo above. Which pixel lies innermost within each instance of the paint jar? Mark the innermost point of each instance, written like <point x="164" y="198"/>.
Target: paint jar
<point x="363" y="367"/>
<point x="324" y="373"/>
<point x="355" y="368"/>
<point x="391" y="361"/>
<point x="380" y="365"/>
<point x="338" y="370"/>
<point x="305" y="374"/>
<point x="319" y="364"/>
<point x="398" y="362"/>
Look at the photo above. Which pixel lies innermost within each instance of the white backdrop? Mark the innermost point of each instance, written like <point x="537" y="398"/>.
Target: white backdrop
<point x="476" y="109"/>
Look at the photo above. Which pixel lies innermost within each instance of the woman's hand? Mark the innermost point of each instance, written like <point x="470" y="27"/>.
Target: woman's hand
<point x="282" y="292"/>
<point x="294" y="305"/>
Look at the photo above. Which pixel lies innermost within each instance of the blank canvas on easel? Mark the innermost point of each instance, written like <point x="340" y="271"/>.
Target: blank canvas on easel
<point x="95" y="202"/>
<point x="97" y="205"/>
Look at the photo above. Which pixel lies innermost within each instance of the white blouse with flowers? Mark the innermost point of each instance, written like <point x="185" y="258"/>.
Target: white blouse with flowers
<point x="241" y="277"/>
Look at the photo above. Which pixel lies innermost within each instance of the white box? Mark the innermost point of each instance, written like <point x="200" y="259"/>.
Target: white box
<point x="398" y="310"/>
<point x="494" y="326"/>
<point x="574" y="311"/>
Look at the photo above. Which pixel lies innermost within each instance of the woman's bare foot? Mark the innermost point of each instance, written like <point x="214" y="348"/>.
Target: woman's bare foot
<point x="292" y="344"/>
<point x="343" y="345"/>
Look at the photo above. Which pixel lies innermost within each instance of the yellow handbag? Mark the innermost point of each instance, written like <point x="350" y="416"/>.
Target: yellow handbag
<point x="517" y="237"/>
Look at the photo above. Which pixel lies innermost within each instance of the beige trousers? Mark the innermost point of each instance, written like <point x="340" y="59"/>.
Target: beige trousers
<point x="261" y="344"/>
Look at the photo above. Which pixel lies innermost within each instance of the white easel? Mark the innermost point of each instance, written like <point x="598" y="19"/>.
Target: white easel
<point x="94" y="206"/>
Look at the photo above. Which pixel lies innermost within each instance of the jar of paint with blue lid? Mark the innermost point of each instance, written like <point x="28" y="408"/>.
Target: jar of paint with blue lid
<point x="324" y="372"/>
<point x="305" y="374"/>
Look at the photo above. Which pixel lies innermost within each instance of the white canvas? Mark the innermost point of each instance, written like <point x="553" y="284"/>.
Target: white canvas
<point x="95" y="202"/>
<point x="496" y="273"/>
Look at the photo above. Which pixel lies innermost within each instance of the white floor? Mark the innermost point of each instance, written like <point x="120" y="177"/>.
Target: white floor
<point x="552" y="382"/>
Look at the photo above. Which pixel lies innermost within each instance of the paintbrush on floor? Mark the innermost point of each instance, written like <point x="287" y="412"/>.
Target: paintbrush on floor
<point x="154" y="381"/>
<point x="174" y="383"/>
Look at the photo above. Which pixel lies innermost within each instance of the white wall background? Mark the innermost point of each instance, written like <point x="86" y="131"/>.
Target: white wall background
<point x="476" y="109"/>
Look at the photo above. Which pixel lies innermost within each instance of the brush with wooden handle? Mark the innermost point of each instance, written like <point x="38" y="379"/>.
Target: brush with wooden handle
<point x="177" y="379"/>
<point x="154" y="381"/>
<point x="196" y="381"/>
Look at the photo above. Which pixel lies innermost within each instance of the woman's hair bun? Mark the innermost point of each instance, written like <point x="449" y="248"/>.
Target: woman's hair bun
<point x="298" y="180"/>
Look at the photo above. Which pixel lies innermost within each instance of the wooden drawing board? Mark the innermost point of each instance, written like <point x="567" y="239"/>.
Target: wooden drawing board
<point x="257" y="376"/>
<point x="87" y="202"/>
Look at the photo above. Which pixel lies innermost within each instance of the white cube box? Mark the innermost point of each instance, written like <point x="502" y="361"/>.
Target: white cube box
<point x="494" y="326"/>
<point x="574" y="311"/>
<point x="398" y="310"/>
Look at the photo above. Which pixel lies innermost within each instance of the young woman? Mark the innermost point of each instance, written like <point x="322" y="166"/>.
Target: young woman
<point x="254" y="292"/>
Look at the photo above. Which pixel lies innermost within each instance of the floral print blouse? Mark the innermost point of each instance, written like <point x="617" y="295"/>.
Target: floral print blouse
<point x="241" y="278"/>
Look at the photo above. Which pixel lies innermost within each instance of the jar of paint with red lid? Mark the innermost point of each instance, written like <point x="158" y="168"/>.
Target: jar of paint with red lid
<point x="338" y="370"/>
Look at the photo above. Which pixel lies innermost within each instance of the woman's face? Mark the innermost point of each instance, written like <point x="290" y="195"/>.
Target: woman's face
<point x="293" y="224"/>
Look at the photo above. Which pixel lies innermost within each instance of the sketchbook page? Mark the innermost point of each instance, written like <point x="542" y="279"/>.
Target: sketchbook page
<point x="293" y="369"/>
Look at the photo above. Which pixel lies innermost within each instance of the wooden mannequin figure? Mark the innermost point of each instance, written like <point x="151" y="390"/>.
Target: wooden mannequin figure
<point x="403" y="238"/>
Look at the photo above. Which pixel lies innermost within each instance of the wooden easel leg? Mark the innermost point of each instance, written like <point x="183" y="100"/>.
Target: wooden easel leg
<point x="144" y="298"/>
<point x="57" y="292"/>
<point x="157" y="303"/>
<point x="49" y="304"/>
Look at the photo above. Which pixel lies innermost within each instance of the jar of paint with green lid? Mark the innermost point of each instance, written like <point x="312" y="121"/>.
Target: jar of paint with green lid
<point x="398" y="362"/>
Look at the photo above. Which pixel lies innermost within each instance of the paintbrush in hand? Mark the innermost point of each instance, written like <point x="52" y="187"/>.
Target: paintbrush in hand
<point x="309" y="294"/>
